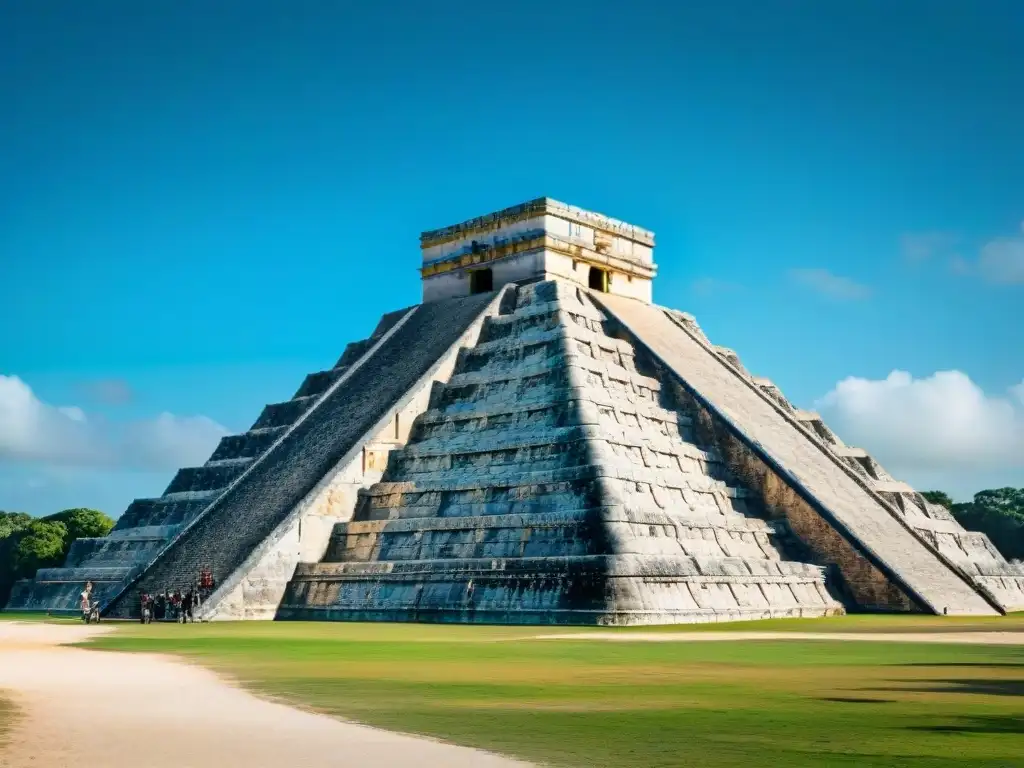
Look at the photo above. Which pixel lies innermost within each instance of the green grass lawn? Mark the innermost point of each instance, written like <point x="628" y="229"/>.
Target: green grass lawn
<point x="586" y="703"/>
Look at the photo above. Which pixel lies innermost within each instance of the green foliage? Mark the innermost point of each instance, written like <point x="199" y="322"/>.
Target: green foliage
<point x="13" y="525"/>
<point x="41" y="546"/>
<point x="81" y="523"/>
<point x="998" y="513"/>
<point x="939" y="497"/>
<point x="28" y="543"/>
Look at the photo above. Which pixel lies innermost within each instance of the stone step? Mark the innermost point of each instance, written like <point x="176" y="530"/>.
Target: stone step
<point x="475" y="411"/>
<point x="248" y="445"/>
<point x="207" y="495"/>
<point x="204" y="478"/>
<point x="353" y="351"/>
<point x="508" y="515"/>
<point x="284" y="414"/>
<point x="537" y="318"/>
<point x="542" y="536"/>
<point x="567" y="336"/>
<point x="112" y="552"/>
<point x="666" y="566"/>
<point x="83" y="574"/>
<point x="153" y="512"/>
<point x="146" y="532"/>
<point x="490" y="441"/>
<point x="564" y="361"/>
<point x="316" y="384"/>
<point x="243" y="462"/>
<point x="60" y="595"/>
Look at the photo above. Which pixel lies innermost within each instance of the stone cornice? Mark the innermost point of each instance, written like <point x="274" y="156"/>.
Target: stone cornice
<point x="532" y="209"/>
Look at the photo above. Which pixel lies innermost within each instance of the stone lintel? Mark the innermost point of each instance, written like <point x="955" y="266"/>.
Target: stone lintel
<point x="539" y="207"/>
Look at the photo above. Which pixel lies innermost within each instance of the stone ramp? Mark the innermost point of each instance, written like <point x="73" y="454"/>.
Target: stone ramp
<point x="851" y="509"/>
<point x="241" y="519"/>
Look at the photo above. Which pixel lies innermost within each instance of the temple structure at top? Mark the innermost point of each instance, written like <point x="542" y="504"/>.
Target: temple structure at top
<point x="542" y="239"/>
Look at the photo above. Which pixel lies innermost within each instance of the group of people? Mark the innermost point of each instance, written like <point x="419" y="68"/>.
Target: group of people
<point x="176" y="605"/>
<point x="169" y="605"/>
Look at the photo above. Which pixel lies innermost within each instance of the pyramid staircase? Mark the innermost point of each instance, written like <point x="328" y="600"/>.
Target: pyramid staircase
<point x="550" y="481"/>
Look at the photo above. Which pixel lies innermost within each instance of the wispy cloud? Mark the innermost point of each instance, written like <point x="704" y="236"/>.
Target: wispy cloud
<point x="32" y="431"/>
<point x="999" y="260"/>
<point x="1002" y="260"/>
<point x="923" y="246"/>
<point x="830" y="285"/>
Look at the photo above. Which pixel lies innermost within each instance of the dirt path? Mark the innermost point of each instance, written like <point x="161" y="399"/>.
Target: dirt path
<point x="93" y="709"/>
<point x="970" y="638"/>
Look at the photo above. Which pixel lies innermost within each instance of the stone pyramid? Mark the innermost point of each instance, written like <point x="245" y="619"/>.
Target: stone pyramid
<point x="538" y="443"/>
<point x="550" y="480"/>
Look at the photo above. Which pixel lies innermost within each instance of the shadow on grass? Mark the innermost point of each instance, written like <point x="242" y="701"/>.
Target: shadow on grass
<point x="981" y="724"/>
<point x="982" y="664"/>
<point x="982" y="687"/>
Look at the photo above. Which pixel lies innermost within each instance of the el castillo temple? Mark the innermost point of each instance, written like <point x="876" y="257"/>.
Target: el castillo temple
<point x="537" y="443"/>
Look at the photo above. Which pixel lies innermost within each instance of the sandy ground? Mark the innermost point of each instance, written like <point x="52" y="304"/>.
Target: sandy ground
<point x="93" y="709"/>
<point x="971" y="638"/>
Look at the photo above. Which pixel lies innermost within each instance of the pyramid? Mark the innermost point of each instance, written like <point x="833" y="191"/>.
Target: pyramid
<point x="537" y="442"/>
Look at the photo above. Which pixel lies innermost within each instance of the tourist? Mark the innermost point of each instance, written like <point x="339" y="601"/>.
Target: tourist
<point x="85" y="602"/>
<point x="189" y="607"/>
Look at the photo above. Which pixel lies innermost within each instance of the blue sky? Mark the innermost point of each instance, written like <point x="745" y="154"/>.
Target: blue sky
<point x="202" y="202"/>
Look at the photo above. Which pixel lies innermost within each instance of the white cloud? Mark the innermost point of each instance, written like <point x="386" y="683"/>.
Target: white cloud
<point x="1002" y="261"/>
<point x="833" y="286"/>
<point x="34" y="431"/>
<point x="941" y="431"/>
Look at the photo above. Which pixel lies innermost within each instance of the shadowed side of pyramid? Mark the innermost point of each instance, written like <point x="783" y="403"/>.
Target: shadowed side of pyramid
<point x="552" y="482"/>
<point x="878" y="531"/>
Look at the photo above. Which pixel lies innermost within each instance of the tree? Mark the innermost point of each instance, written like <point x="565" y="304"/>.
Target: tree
<point x="81" y="523"/>
<point x="12" y="522"/>
<point x="939" y="497"/>
<point x="42" y="546"/>
<point x="13" y="525"/>
<point x="28" y="543"/>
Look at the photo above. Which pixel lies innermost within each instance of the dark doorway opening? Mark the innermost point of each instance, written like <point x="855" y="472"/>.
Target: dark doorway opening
<point x="481" y="281"/>
<point x="599" y="280"/>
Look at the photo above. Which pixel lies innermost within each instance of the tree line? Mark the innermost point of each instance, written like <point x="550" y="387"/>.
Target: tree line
<point x="28" y="543"/>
